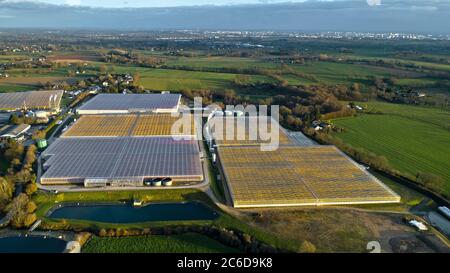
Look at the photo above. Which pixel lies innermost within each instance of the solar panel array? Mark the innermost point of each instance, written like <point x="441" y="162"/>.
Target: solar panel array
<point x="132" y="125"/>
<point x="31" y="99"/>
<point x="122" y="157"/>
<point x="293" y="175"/>
<point x="120" y="103"/>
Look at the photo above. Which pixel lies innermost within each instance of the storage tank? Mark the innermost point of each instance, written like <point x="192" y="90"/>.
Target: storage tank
<point x="167" y="181"/>
<point x="41" y="114"/>
<point x="239" y="113"/>
<point x="228" y="113"/>
<point x="157" y="182"/>
<point x="41" y="143"/>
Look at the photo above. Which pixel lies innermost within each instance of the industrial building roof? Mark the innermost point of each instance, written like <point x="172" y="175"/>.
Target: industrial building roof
<point x="13" y="130"/>
<point x="294" y="175"/>
<point x="129" y="103"/>
<point x="31" y="100"/>
<point x="122" y="157"/>
<point x="236" y="131"/>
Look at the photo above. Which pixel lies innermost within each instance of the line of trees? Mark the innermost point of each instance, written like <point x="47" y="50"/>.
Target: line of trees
<point x="20" y="170"/>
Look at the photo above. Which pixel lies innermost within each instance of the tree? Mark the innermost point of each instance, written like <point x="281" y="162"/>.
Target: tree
<point x="136" y="79"/>
<point x="6" y="192"/>
<point x="31" y="188"/>
<point x="431" y="181"/>
<point x="14" y="150"/>
<point x="229" y="97"/>
<point x="30" y="156"/>
<point x="29" y="219"/>
<point x="39" y="135"/>
<point x="19" y="209"/>
<point x="82" y="84"/>
<point x="307" y="247"/>
<point x="30" y="207"/>
<point x="14" y="119"/>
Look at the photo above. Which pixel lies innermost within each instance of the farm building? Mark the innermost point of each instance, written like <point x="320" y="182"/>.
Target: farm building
<point x="13" y="131"/>
<point x="297" y="176"/>
<point x="130" y="103"/>
<point x="44" y="100"/>
<point x="131" y="125"/>
<point x="121" y="161"/>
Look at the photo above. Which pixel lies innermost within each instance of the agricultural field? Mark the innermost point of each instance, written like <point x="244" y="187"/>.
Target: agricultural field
<point x="9" y="88"/>
<point x="184" y="243"/>
<point x="310" y="73"/>
<point x="176" y="80"/>
<point x="220" y="62"/>
<point x="413" y="139"/>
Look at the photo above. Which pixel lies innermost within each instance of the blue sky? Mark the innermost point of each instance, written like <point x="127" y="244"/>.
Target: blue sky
<point x="424" y="16"/>
<point x="157" y="3"/>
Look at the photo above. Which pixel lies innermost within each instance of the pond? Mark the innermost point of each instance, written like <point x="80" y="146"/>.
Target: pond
<point x="31" y="244"/>
<point x="126" y="213"/>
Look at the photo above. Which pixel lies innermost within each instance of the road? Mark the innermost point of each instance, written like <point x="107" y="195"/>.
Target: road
<point x="439" y="222"/>
<point x="52" y="136"/>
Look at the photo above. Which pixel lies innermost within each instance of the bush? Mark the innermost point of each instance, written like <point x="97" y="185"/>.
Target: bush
<point x="29" y="219"/>
<point x="431" y="181"/>
<point x="30" y="207"/>
<point x="31" y="188"/>
<point x="307" y="247"/>
<point x="20" y="208"/>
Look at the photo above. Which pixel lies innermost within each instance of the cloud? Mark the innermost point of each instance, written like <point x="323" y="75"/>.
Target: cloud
<point x="73" y="2"/>
<point x="374" y="2"/>
<point x="342" y="15"/>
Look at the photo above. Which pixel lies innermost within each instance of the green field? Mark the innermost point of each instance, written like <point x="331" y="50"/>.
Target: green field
<point x="413" y="139"/>
<point x="220" y="62"/>
<point x="184" y="243"/>
<point x="4" y="88"/>
<point x="310" y="73"/>
<point x="176" y="80"/>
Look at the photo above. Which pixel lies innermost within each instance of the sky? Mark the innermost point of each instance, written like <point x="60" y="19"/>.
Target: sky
<point x="413" y="16"/>
<point x="158" y="3"/>
<point x="170" y="3"/>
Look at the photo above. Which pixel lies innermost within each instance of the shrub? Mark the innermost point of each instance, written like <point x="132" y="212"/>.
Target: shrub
<point x="307" y="247"/>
